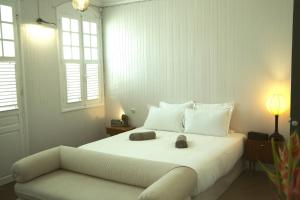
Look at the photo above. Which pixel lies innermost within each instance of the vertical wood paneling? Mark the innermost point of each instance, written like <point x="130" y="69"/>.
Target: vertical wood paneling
<point x="202" y="50"/>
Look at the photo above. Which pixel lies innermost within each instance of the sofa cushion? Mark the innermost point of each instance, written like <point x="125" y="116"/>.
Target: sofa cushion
<point x="65" y="185"/>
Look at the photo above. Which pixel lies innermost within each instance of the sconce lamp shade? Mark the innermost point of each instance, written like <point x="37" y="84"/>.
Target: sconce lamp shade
<point x="277" y="105"/>
<point x="81" y="5"/>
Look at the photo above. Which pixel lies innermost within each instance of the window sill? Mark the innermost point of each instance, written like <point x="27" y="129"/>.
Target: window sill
<point x="65" y="110"/>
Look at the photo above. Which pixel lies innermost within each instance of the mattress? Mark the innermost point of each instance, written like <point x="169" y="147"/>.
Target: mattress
<point x="211" y="157"/>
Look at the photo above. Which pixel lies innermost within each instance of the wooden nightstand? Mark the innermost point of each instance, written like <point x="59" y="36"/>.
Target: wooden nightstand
<point x="259" y="150"/>
<point x="117" y="130"/>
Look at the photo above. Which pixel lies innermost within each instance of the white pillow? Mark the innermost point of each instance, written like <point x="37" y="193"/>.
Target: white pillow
<point x="189" y="104"/>
<point x="164" y="119"/>
<point x="183" y="106"/>
<point x="229" y="105"/>
<point x="213" y="122"/>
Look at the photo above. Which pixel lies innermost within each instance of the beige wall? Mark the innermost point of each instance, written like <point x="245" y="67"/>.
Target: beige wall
<point x="203" y="50"/>
<point x="47" y="125"/>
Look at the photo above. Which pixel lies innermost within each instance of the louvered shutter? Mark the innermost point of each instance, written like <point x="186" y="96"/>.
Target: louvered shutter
<point x="8" y="86"/>
<point x="73" y="83"/>
<point x="92" y="78"/>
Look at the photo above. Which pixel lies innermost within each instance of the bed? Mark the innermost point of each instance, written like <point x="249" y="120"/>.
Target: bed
<point x="217" y="160"/>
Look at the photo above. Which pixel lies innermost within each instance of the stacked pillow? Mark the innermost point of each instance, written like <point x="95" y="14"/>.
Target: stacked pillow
<point x="199" y="118"/>
<point x="209" y="119"/>
<point x="168" y="117"/>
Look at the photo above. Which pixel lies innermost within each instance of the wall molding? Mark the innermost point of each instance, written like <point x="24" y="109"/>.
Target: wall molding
<point x="120" y="2"/>
<point x="100" y="3"/>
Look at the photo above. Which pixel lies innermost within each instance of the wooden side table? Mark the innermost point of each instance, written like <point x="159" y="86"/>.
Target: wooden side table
<point x="117" y="130"/>
<point x="257" y="150"/>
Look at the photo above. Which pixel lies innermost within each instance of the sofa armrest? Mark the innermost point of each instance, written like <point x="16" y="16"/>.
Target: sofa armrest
<point x="36" y="165"/>
<point x="178" y="184"/>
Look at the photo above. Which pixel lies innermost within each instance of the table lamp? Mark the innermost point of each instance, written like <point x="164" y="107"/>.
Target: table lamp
<point x="125" y="120"/>
<point x="277" y="105"/>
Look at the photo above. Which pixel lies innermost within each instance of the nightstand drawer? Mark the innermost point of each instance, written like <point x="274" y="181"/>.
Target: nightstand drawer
<point x="259" y="151"/>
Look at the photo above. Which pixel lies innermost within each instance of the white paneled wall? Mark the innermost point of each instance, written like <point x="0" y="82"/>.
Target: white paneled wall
<point x="203" y="50"/>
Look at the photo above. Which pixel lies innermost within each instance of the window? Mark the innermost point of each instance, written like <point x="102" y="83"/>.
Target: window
<point x="8" y="83"/>
<point x="71" y="49"/>
<point x="81" y="64"/>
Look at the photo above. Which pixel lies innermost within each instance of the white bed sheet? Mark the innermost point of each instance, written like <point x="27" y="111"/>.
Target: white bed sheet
<point x="211" y="157"/>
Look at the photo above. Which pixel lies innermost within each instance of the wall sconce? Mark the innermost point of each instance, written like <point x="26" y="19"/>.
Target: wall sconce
<point x="39" y="20"/>
<point x="81" y="5"/>
<point x="277" y="105"/>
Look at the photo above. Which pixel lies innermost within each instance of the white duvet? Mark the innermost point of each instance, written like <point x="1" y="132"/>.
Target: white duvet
<point x="211" y="157"/>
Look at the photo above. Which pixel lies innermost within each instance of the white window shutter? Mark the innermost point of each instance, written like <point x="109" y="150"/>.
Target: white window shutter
<point x="73" y="78"/>
<point x="92" y="78"/>
<point x="8" y="86"/>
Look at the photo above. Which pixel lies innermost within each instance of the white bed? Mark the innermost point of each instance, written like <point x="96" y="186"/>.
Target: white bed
<point x="211" y="157"/>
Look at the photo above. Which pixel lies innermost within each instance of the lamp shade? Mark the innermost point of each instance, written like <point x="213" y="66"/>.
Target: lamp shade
<point x="277" y="104"/>
<point x="81" y="5"/>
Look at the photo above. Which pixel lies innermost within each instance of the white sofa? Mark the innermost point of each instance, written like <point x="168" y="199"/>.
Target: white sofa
<point x="66" y="173"/>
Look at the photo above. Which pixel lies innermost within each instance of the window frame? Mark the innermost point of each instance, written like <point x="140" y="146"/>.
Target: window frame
<point x="17" y="58"/>
<point x="99" y="61"/>
<point x="84" y="103"/>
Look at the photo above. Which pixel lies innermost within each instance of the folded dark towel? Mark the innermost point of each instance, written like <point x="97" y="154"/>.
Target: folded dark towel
<point x="181" y="142"/>
<point x="142" y="136"/>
